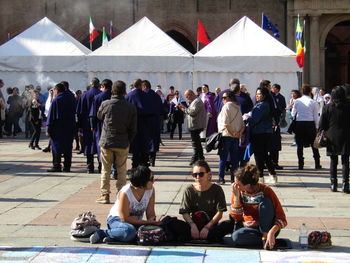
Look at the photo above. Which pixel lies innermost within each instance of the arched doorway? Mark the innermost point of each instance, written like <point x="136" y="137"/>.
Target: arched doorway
<point x="337" y="60"/>
<point x="182" y="40"/>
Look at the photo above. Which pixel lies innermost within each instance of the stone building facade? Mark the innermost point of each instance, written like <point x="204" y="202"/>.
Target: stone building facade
<point x="327" y="24"/>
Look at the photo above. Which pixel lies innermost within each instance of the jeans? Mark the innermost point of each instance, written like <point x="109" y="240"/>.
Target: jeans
<point x="118" y="230"/>
<point x="197" y="146"/>
<point x="229" y="146"/>
<point x="251" y="236"/>
<point x="110" y="156"/>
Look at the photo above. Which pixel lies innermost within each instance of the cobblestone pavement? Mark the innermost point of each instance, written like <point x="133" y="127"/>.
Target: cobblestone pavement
<point x="37" y="208"/>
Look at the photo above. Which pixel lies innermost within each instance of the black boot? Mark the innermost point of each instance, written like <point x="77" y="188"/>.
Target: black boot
<point x="317" y="164"/>
<point x="345" y="186"/>
<point x="301" y="164"/>
<point x="334" y="185"/>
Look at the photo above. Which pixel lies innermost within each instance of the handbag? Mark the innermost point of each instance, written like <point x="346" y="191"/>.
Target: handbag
<point x="150" y="235"/>
<point x="213" y="142"/>
<point x="292" y="126"/>
<point x="320" y="140"/>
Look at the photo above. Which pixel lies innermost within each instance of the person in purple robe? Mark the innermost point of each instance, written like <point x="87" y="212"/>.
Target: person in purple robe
<point x="83" y="112"/>
<point x="154" y="103"/>
<point x="208" y="99"/>
<point x="139" y="146"/>
<point x="95" y="123"/>
<point x="61" y="129"/>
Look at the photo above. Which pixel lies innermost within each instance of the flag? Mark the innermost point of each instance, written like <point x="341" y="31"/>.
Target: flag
<point x="267" y="25"/>
<point x="299" y="43"/>
<point x="104" y="37"/>
<point x="202" y="35"/>
<point x="93" y="32"/>
<point x="112" y="32"/>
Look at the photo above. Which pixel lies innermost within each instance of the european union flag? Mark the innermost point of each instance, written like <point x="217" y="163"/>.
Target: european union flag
<point x="267" y="25"/>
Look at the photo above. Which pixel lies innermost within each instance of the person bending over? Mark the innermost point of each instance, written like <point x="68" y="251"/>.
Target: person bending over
<point x="257" y="209"/>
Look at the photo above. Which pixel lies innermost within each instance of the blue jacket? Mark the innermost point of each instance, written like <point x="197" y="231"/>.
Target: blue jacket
<point x="261" y="119"/>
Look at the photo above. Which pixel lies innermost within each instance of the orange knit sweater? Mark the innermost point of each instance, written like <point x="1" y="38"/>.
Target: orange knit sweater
<point x="249" y="208"/>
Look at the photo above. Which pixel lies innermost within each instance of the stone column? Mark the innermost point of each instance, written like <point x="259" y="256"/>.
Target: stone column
<point x="314" y="51"/>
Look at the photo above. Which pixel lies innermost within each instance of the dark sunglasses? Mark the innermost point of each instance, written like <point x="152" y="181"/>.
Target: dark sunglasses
<point x="200" y="174"/>
<point x="224" y="97"/>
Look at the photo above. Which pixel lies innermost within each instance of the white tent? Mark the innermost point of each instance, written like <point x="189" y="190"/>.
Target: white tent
<point x="44" y="54"/>
<point x="247" y="52"/>
<point x="143" y="51"/>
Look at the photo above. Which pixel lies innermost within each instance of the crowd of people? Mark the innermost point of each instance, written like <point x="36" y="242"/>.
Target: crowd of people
<point x="110" y="123"/>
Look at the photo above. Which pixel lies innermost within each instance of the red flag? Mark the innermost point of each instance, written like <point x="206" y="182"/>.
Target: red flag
<point x="202" y="35"/>
<point x="92" y="30"/>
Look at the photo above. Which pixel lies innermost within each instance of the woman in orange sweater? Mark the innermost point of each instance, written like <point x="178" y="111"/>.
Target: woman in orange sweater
<point x="256" y="207"/>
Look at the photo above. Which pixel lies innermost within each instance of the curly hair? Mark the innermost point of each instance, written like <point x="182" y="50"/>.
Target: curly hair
<point x="248" y="175"/>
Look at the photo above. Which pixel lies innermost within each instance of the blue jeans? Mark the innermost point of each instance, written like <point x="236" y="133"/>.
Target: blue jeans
<point x="229" y="146"/>
<point x="251" y="236"/>
<point x="118" y="230"/>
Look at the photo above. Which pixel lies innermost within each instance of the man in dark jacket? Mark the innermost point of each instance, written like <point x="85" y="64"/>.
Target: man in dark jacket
<point x="83" y="112"/>
<point x="119" y="128"/>
<point x="61" y="128"/>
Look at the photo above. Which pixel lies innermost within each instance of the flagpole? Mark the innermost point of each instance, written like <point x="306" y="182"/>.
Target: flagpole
<point x="262" y="20"/>
<point x="197" y="46"/>
<point x="91" y="46"/>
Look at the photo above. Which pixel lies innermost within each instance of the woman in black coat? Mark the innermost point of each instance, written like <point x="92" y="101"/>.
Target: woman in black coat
<point x="335" y="122"/>
<point x="36" y="120"/>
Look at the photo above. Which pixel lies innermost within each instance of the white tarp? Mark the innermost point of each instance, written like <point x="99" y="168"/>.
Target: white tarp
<point x="247" y="52"/>
<point x="43" y="55"/>
<point x="143" y="51"/>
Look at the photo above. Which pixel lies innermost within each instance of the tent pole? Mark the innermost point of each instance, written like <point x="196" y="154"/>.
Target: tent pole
<point x="90" y="45"/>
<point x="197" y="46"/>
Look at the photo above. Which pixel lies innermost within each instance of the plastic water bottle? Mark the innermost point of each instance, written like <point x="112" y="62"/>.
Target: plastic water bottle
<point x="303" y="239"/>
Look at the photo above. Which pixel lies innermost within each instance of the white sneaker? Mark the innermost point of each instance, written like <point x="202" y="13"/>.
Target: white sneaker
<point x="272" y="179"/>
<point x="261" y="180"/>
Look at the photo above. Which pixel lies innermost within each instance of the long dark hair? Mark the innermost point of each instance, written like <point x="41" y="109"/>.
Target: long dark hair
<point x="338" y="96"/>
<point x="268" y="98"/>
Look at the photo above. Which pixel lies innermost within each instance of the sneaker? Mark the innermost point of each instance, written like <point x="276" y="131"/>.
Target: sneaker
<point x="95" y="238"/>
<point x="103" y="199"/>
<point x="272" y="179"/>
<point x="261" y="180"/>
<point x="108" y="240"/>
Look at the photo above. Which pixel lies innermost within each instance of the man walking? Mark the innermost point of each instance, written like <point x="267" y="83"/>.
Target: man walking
<point x="83" y="112"/>
<point x="196" y="123"/>
<point x="61" y="129"/>
<point x="119" y="128"/>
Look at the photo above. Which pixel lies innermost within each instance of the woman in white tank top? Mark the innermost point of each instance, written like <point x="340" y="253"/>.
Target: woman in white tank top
<point x="126" y="215"/>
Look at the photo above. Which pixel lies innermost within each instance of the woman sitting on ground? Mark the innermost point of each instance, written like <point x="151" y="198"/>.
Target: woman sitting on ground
<point x="126" y="214"/>
<point x="202" y="206"/>
<point x="257" y="209"/>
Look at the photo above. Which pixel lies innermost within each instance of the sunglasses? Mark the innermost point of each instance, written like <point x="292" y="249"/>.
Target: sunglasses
<point x="200" y="174"/>
<point x="224" y="97"/>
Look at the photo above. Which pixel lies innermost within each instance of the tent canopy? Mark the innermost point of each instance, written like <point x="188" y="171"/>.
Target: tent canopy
<point x="143" y="47"/>
<point x="245" y="47"/>
<point x="43" y="47"/>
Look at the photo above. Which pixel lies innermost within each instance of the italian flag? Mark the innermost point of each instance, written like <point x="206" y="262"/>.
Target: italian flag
<point x="104" y="37"/>
<point x="93" y="32"/>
